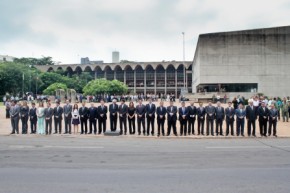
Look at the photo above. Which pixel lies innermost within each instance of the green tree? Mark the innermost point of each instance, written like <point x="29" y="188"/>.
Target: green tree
<point x="53" y="87"/>
<point x="45" y="60"/>
<point x="102" y="86"/>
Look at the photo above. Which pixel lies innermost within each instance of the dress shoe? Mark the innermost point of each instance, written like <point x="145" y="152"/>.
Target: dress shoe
<point x="175" y="135"/>
<point x="158" y="135"/>
<point x="12" y="133"/>
<point x="55" y="133"/>
<point x="163" y="134"/>
<point x="275" y="136"/>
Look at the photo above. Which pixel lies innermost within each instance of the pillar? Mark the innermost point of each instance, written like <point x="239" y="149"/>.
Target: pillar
<point x="155" y="82"/>
<point x="124" y="77"/>
<point x="165" y="83"/>
<point x="96" y="75"/>
<point x="145" y="83"/>
<point x="135" y="81"/>
<point x="176" y="83"/>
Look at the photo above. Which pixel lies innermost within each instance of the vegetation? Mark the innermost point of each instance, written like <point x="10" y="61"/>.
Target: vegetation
<point x="53" y="87"/>
<point x="102" y="86"/>
<point x="35" y="61"/>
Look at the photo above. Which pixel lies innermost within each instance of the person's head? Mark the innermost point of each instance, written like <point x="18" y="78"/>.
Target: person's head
<point x="83" y="103"/>
<point x="171" y="103"/>
<point x="161" y="103"/>
<point x="150" y="100"/>
<point x="40" y="104"/>
<point x="92" y="104"/>
<point x="67" y="102"/>
<point x="114" y="101"/>
<point x="102" y="102"/>
<point x="284" y="99"/>
<point x="76" y="106"/>
<point x="250" y="102"/>
<point x="273" y="106"/>
<point x="140" y="102"/>
<point x="230" y="103"/>
<point x="241" y="106"/>
<point x="209" y="103"/>
<point x="183" y="104"/>
<point x="57" y="103"/>
<point x="33" y="104"/>
<point x="263" y="104"/>
<point x="200" y="104"/>
<point x="48" y="104"/>
<point x="122" y="101"/>
<point x="131" y="104"/>
<point x="192" y="103"/>
<point x="24" y="103"/>
<point x="218" y="103"/>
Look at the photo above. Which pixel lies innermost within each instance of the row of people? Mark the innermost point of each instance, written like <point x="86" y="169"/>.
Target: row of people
<point x="41" y="118"/>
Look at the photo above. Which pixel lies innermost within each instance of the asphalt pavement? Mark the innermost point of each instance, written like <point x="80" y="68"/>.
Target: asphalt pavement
<point x="68" y="164"/>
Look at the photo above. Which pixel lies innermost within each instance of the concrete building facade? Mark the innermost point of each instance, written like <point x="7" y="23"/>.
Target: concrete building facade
<point x="140" y="77"/>
<point x="249" y="61"/>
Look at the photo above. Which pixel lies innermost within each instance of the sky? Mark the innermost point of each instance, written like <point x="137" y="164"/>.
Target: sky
<point x="141" y="30"/>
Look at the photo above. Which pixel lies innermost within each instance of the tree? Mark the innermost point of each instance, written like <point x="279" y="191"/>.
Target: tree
<point x="53" y="87"/>
<point x="45" y="60"/>
<point x="102" y="86"/>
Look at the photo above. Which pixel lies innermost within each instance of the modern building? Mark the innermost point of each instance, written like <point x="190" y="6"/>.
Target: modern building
<point x="115" y="57"/>
<point x="141" y="77"/>
<point x="249" y="61"/>
<point x="6" y="58"/>
<point x="86" y="60"/>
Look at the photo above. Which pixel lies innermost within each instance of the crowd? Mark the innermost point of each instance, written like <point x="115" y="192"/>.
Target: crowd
<point x="133" y="119"/>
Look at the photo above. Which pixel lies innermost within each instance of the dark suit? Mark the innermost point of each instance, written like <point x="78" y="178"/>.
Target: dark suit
<point x="131" y="113"/>
<point x="84" y="111"/>
<point x="57" y="112"/>
<point x="210" y="115"/>
<point x="33" y="119"/>
<point x="24" y="111"/>
<point x="251" y="115"/>
<point x="183" y="115"/>
<point x="102" y="118"/>
<point x="200" y="120"/>
<point x="14" y="116"/>
<point x="241" y="114"/>
<point x="113" y="109"/>
<point x="150" y="115"/>
<point x="230" y="118"/>
<point x="191" y="119"/>
<point x="140" y="111"/>
<point x="171" y="119"/>
<point x="273" y="115"/>
<point x="263" y="120"/>
<point x="93" y="115"/>
<point x="48" y="113"/>
<point x="67" y="110"/>
<point x="161" y="113"/>
<point x="123" y="110"/>
<point x="219" y="118"/>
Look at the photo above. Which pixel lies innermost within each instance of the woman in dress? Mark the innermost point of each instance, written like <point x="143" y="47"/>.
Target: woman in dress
<point x="40" y="119"/>
<point x="131" y="118"/>
<point x="75" y="118"/>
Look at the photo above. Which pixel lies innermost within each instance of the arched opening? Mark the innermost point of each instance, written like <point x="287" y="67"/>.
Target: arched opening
<point x="68" y="72"/>
<point x="129" y="76"/>
<point x="149" y="76"/>
<point x="119" y="73"/>
<point x="99" y="73"/>
<point x="109" y="73"/>
<point x="139" y="76"/>
<point x="180" y="76"/>
<point x="160" y="76"/>
<point x="78" y="70"/>
<point x="50" y="69"/>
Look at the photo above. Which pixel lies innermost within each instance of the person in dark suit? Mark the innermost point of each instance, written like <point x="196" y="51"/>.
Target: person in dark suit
<point x="48" y="113"/>
<point x="263" y="113"/>
<point x="84" y="111"/>
<point x="200" y="119"/>
<point x="240" y="114"/>
<point x="14" y="116"/>
<point x="150" y="116"/>
<point x="230" y="118"/>
<point x="210" y="115"/>
<point x="161" y="113"/>
<point x="93" y="116"/>
<point x="132" y="118"/>
<point x="171" y="118"/>
<point x="24" y="111"/>
<point x="251" y="115"/>
<point x="273" y="116"/>
<point x="219" y="118"/>
<point x="67" y="111"/>
<point x="113" y="109"/>
<point x="57" y="112"/>
<point x="123" y="110"/>
<point x="183" y="115"/>
<point x="141" y="111"/>
<point x="102" y="116"/>
<point x="33" y="118"/>
<point x="191" y="118"/>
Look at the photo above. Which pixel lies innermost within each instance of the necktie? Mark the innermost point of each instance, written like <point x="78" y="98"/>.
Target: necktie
<point x="183" y="110"/>
<point x="171" y="109"/>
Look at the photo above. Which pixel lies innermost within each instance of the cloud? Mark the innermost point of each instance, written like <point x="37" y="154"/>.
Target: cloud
<point x="144" y="30"/>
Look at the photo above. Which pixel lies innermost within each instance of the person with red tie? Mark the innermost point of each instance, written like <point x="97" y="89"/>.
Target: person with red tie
<point x="183" y="113"/>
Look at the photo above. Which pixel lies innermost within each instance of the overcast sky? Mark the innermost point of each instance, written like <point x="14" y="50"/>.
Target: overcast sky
<point x="141" y="30"/>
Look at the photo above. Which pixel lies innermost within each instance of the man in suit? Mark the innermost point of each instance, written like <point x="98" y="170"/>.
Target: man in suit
<point x="183" y="115"/>
<point x="141" y="111"/>
<point x="191" y="118"/>
<point x="67" y="110"/>
<point x="33" y="118"/>
<point x="241" y="114"/>
<point x="84" y="111"/>
<point x="93" y="115"/>
<point x="273" y="116"/>
<point x="171" y="118"/>
<point x="123" y="110"/>
<point x="200" y="119"/>
<point x="263" y="113"/>
<point x="230" y="118"/>
<point x="251" y="115"/>
<point x="57" y="112"/>
<point x="150" y="115"/>
<point x="113" y="109"/>
<point x="161" y="113"/>
<point x="14" y="116"/>
<point x="210" y="115"/>
<point x="219" y="118"/>
<point x="24" y="113"/>
<point x="48" y="113"/>
<point x="102" y="116"/>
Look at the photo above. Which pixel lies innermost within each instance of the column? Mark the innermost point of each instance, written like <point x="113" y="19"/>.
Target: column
<point x="145" y="83"/>
<point x="155" y="82"/>
<point x="114" y="74"/>
<point x="124" y="77"/>
<point x="165" y="83"/>
<point x="134" y="81"/>
<point x="96" y="75"/>
<point x="176" y="83"/>
<point x="105" y="74"/>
